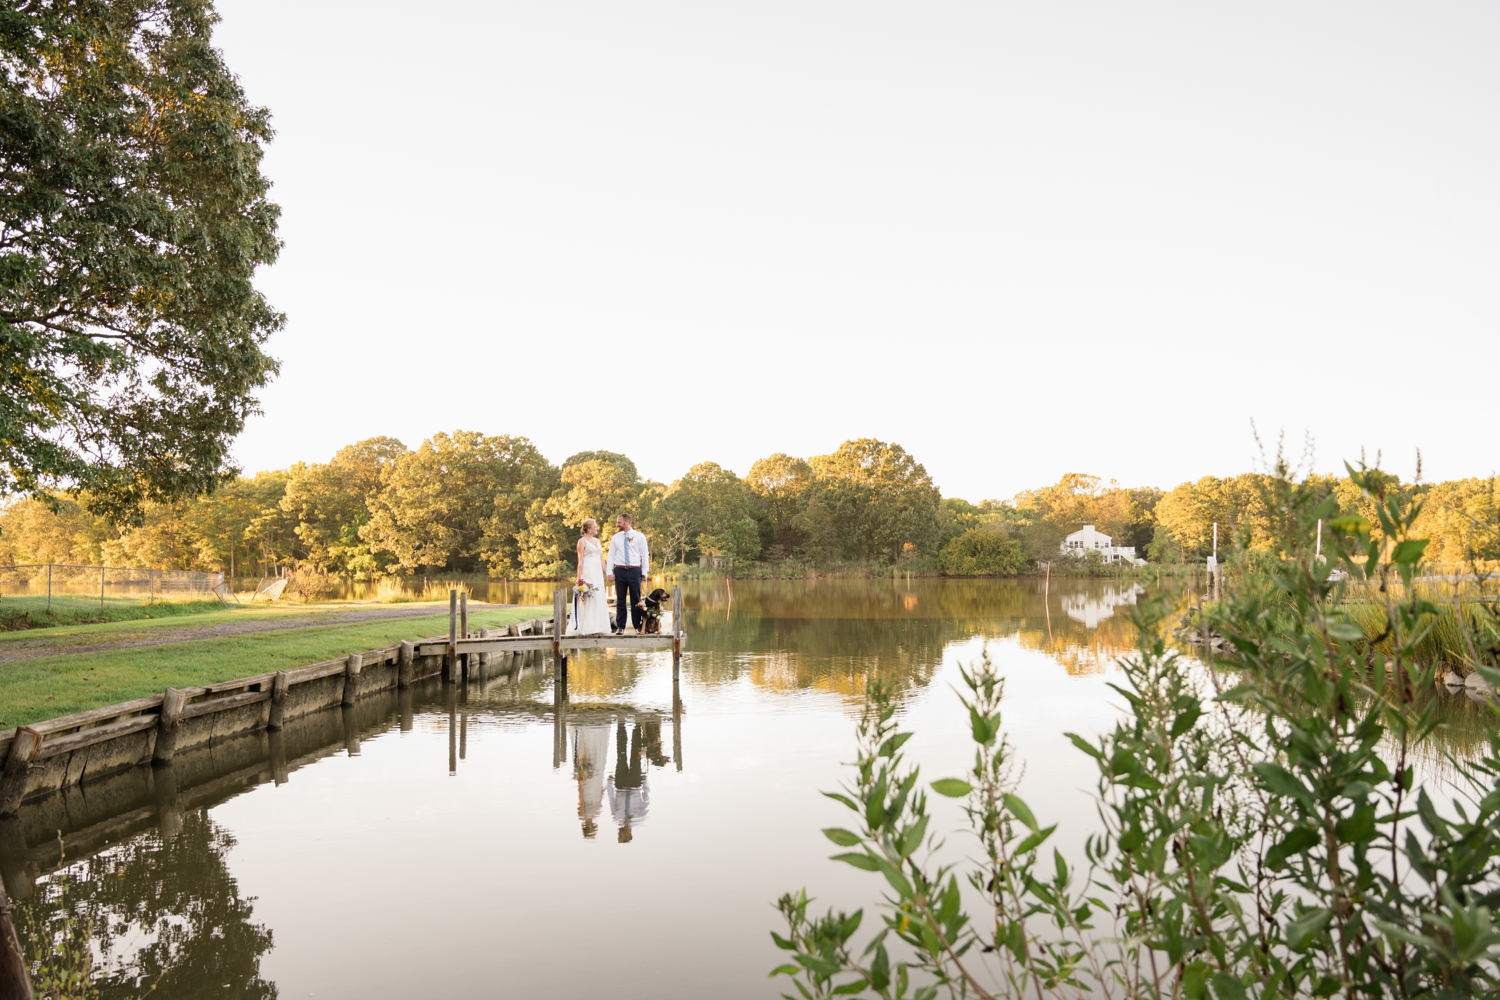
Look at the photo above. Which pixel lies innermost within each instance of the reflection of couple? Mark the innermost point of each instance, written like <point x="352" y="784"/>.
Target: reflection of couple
<point x="628" y="563"/>
<point x="629" y="794"/>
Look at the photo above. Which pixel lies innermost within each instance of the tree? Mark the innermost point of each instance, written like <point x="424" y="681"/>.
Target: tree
<point x="982" y="552"/>
<point x="781" y="482"/>
<point x="134" y="216"/>
<point x="879" y="498"/>
<point x="330" y="503"/>
<point x="597" y="488"/>
<point x="621" y="462"/>
<point x="458" y="502"/>
<point x="709" y="510"/>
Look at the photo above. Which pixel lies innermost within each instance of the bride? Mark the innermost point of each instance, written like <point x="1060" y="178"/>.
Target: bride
<point x="590" y="615"/>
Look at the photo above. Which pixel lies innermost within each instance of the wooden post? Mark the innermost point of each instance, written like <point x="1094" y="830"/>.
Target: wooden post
<point x="278" y="699"/>
<point x="484" y="658"/>
<point x="23" y="750"/>
<point x="450" y="660"/>
<point x="559" y="619"/>
<point x="14" y="983"/>
<point x="101" y="590"/>
<point x="166" y="735"/>
<point x="404" y="665"/>
<point x="677" y="628"/>
<point x="463" y="627"/>
<point x="352" y="667"/>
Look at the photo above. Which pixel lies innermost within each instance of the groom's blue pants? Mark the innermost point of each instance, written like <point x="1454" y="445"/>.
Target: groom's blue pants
<point x="627" y="595"/>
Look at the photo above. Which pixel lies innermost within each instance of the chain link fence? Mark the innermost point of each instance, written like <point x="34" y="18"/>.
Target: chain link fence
<point x="61" y="587"/>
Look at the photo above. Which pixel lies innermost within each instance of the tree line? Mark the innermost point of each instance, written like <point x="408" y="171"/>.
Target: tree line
<point x="470" y="503"/>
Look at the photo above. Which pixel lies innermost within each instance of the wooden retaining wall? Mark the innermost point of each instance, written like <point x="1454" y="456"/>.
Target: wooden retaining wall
<point x="47" y="757"/>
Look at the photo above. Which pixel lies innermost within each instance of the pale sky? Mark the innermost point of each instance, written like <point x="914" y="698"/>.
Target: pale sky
<point x="1018" y="239"/>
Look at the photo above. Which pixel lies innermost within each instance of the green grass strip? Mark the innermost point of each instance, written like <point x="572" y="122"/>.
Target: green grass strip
<point x="44" y="688"/>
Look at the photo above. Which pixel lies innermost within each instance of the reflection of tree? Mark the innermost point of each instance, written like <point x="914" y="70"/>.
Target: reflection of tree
<point x="164" y="911"/>
<point x="837" y="634"/>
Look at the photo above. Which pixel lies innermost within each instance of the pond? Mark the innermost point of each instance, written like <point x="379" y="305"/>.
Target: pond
<point x="477" y="842"/>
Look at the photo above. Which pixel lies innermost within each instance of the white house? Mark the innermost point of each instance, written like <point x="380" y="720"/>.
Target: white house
<point x="1086" y="539"/>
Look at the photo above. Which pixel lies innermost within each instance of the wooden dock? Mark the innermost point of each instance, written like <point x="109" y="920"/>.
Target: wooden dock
<point x="544" y="635"/>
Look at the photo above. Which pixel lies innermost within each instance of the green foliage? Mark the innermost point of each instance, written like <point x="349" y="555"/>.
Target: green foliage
<point x="870" y="500"/>
<point x="135" y="215"/>
<point x="330" y="503"/>
<point x="1264" y="831"/>
<point x="459" y="501"/>
<point x="982" y="552"/>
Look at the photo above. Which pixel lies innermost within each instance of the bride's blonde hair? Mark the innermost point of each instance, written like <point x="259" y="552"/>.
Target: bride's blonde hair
<point x="588" y="523"/>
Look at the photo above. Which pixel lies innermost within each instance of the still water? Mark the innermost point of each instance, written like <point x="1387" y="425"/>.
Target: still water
<point x="478" y="843"/>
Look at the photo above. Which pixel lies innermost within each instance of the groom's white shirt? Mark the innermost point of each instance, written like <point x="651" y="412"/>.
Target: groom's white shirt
<point x="640" y="555"/>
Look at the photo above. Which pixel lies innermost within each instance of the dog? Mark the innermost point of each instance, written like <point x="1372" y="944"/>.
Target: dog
<point x="651" y="608"/>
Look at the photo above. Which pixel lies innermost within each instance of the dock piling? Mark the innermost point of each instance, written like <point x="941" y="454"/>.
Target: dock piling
<point x="450" y="659"/>
<point x="404" y="664"/>
<point x="279" y="687"/>
<point x="171" y="713"/>
<point x="17" y="764"/>
<point x="352" y="667"/>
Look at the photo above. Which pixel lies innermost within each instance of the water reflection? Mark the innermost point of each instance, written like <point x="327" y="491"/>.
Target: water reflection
<point x="167" y="915"/>
<point x="834" y="635"/>
<point x="156" y="869"/>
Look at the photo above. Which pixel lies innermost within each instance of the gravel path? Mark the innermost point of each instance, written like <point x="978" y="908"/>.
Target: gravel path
<point x="10" y="652"/>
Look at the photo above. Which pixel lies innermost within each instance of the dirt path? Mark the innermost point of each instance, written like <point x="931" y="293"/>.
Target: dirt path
<point x="66" y="645"/>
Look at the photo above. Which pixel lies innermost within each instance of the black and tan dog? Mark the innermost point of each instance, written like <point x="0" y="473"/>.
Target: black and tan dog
<point x="651" y="608"/>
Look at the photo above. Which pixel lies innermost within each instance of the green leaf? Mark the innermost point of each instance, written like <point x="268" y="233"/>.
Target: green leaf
<point x="1195" y="981"/>
<point x="954" y="788"/>
<point x="782" y="942"/>
<point x="1350" y="524"/>
<point x="863" y="861"/>
<point x="1020" y="811"/>
<point x="822" y="966"/>
<point x="1085" y="746"/>
<point x="880" y="970"/>
<point x="1408" y="551"/>
<point x="1299" y="841"/>
<point x="1279" y="781"/>
<point x="1300" y="932"/>
<point x="1034" y="841"/>
<point x="785" y="970"/>
<point x="846" y="800"/>
<point x="849" y="989"/>
<point x="1227" y="987"/>
<point x="1186" y="719"/>
<point x="841" y="836"/>
<point x="890" y="746"/>
<point x="1346" y="632"/>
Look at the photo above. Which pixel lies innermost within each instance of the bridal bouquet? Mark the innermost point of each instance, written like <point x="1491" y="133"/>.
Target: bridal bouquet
<point x="583" y="591"/>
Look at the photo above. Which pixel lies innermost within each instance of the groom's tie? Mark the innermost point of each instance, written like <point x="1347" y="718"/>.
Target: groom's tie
<point x="627" y="547"/>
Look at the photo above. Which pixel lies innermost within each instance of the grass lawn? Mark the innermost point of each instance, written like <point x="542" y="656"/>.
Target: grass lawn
<point x="34" y="623"/>
<point x="203" y="613"/>
<point x="44" y="688"/>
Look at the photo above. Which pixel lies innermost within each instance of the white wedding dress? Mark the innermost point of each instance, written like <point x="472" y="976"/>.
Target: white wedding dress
<point x="590" y="616"/>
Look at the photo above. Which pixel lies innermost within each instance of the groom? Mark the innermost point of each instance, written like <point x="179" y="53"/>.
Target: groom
<point x="629" y="562"/>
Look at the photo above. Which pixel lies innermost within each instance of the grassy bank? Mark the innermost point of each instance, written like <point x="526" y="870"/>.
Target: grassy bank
<point x="37" y="689"/>
<point x="33" y="613"/>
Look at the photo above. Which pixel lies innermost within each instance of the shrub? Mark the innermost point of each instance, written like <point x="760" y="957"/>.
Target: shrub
<point x="982" y="552"/>
<point x="1264" y="831"/>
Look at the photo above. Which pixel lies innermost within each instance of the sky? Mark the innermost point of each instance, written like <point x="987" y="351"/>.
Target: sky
<point x="1019" y="240"/>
